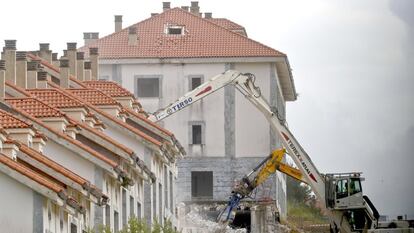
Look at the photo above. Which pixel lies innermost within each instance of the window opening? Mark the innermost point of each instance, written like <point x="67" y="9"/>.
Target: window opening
<point x="202" y="184"/>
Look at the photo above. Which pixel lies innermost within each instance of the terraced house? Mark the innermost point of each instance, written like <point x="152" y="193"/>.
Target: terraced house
<point x="170" y="53"/>
<point x="61" y="134"/>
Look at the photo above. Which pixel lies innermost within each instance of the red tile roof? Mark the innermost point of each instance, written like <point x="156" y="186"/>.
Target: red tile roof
<point x="55" y="98"/>
<point x="110" y="88"/>
<point x="202" y="38"/>
<point x="20" y="168"/>
<point x="52" y="164"/>
<point x="35" y="107"/>
<point x="7" y="121"/>
<point x="93" y="96"/>
<point x="67" y="138"/>
<point x="228" y="24"/>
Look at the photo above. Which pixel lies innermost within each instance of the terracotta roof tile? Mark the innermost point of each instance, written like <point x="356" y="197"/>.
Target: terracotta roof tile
<point x="7" y="121"/>
<point x="93" y="96"/>
<point x="20" y="168"/>
<point x="202" y="39"/>
<point x="110" y="88"/>
<point x="55" y="98"/>
<point x="110" y="117"/>
<point x="227" y="24"/>
<point x="67" y="138"/>
<point x="35" y="107"/>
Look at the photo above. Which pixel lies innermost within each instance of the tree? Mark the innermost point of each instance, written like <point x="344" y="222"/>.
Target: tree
<point x="297" y="191"/>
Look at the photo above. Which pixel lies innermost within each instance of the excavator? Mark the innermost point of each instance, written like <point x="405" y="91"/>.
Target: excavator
<point x="341" y="194"/>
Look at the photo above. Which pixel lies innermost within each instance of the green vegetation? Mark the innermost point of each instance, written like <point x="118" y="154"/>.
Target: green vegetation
<point x="136" y="225"/>
<point x="302" y="205"/>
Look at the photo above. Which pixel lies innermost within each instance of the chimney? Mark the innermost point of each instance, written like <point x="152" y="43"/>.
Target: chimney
<point x="55" y="60"/>
<point x="166" y="6"/>
<point x="21" y="69"/>
<point x="10" y="149"/>
<point x="208" y="15"/>
<point x="90" y="37"/>
<point x="93" y="56"/>
<point x="132" y="36"/>
<point x="71" y="55"/>
<point x="38" y="143"/>
<point x="9" y="51"/>
<point x="87" y="73"/>
<point x="118" y="23"/>
<point x="44" y="52"/>
<point x="185" y="8"/>
<point x="64" y="73"/>
<point x="2" y="79"/>
<point x="65" y="53"/>
<point x="32" y="68"/>
<point x="195" y="9"/>
<point x="42" y="79"/>
<point x="80" y="56"/>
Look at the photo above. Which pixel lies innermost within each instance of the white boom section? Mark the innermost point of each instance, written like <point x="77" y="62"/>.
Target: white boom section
<point x="245" y="84"/>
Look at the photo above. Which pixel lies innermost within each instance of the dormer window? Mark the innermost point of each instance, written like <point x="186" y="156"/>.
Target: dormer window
<point x="174" y="30"/>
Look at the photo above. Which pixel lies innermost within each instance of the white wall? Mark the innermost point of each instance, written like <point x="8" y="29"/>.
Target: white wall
<point x="70" y="160"/>
<point x="16" y="206"/>
<point x="252" y="130"/>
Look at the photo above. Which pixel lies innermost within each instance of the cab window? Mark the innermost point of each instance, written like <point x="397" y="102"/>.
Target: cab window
<point x="354" y="186"/>
<point x="341" y="189"/>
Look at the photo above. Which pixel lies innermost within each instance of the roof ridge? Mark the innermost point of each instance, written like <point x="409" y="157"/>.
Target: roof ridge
<point x="40" y="101"/>
<point x="241" y="36"/>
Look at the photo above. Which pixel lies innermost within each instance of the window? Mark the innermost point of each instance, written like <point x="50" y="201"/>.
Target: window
<point x="139" y="210"/>
<point x="160" y="206"/>
<point x="195" y="81"/>
<point x="342" y="189"/>
<point x="202" y="184"/>
<point x="171" y="192"/>
<point x="175" y="30"/>
<point x="166" y="187"/>
<point x="355" y="186"/>
<point x="131" y="206"/>
<point x="124" y="207"/>
<point x="116" y="222"/>
<point x="154" y="201"/>
<point x="73" y="228"/>
<point x="147" y="87"/>
<point x="196" y="134"/>
<point x="107" y="215"/>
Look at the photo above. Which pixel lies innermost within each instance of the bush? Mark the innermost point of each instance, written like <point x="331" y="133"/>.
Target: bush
<point x="136" y="225"/>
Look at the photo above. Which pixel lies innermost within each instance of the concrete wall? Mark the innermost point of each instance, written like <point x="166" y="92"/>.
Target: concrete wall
<point x="233" y="127"/>
<point x="15" y="217"/>
<point x="69" y="159"/>
<point x="145" y="197"/>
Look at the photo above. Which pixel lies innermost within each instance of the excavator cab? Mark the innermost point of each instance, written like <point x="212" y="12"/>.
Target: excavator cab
<point x="344" y="191"/>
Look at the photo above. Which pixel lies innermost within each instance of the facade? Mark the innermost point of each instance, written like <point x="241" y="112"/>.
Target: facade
<point x="170" y="53"/>
<point x="78" y="157"/>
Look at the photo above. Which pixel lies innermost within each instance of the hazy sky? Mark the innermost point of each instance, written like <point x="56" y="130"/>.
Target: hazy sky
<point x="352" y="63"/>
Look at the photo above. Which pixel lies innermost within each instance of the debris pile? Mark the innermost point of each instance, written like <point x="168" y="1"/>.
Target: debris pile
<point x="193" y="222"/>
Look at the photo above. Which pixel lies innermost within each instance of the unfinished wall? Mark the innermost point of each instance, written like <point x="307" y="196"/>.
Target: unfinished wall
<point x="233" y="128"/>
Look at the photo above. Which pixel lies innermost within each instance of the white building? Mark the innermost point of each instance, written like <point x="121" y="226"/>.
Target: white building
<point x="165" y="56"/>
<point x="102" y="138"/>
